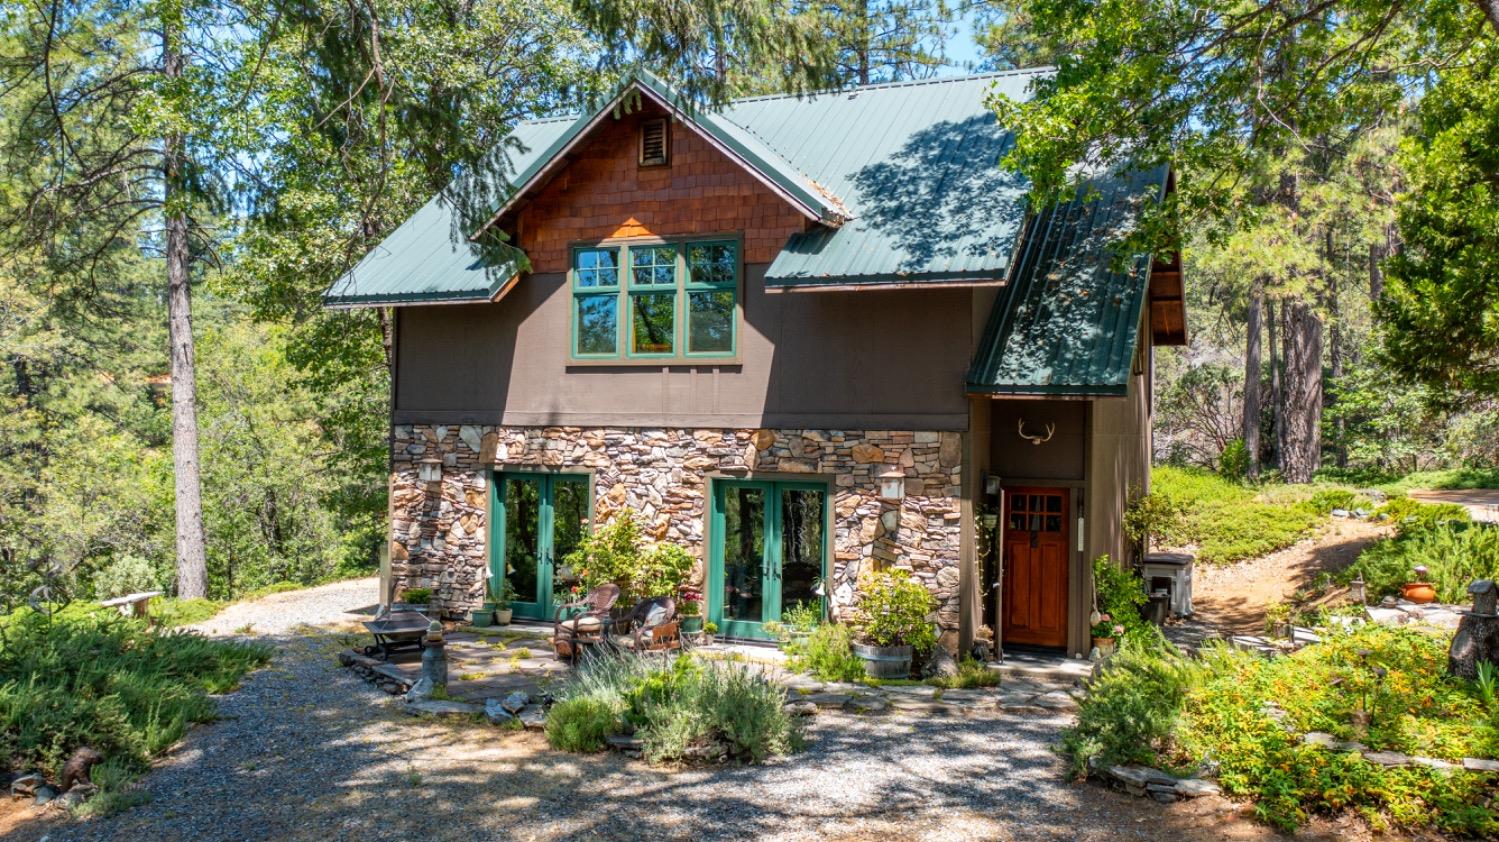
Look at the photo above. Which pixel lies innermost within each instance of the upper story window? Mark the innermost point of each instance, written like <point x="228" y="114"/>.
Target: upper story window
<point x="655" y="301"/>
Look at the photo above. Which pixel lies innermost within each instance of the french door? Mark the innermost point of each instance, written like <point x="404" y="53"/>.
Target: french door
<point x="768" y="550"/>
<point x="538" y="520"/>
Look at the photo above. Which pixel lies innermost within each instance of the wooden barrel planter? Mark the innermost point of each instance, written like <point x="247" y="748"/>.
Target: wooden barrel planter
<point x="884" y="661"/>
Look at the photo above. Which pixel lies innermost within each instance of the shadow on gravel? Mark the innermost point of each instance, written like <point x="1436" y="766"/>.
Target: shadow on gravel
<point x="306" y="750"/>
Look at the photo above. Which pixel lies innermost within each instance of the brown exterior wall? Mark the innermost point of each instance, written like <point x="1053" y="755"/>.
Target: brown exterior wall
<point x="604" y="193"/>
<point x="871" y="360"/>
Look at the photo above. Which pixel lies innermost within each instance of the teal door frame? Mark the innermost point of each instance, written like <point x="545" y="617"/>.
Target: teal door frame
<point x="771" y="563"/>
<point x="540" y="605"/>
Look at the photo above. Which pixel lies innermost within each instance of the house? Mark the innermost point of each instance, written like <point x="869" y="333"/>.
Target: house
<point x="802" y="337"/>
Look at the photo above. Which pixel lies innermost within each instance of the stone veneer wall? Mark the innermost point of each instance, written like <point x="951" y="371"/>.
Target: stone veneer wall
<point x="439" y="532"/>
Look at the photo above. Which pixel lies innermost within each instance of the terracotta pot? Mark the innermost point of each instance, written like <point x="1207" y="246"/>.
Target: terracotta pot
<point x="1419" y="592"/>
<point x="1104" y="645"/>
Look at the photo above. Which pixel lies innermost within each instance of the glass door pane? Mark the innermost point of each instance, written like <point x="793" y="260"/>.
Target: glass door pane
<point x="520" y="500"/>
<point x="802" y="518"/>
<point x="743" y="513"/>
<point x="569" y="501"/>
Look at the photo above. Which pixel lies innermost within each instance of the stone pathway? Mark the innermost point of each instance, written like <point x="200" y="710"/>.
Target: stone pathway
<point x="1481" y="503"/>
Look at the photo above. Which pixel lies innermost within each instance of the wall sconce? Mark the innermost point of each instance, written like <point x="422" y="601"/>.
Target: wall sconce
<point x="991" y="485"/>
<point x="893" y="485"/>
<point x="429" y="469"/>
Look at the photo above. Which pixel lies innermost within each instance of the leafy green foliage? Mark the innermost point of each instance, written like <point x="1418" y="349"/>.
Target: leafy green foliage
<point x="681" y="710"/>
<point x="1226" y="522"/>
<point x="894" y="610"/>
<point x="416" y="596"/>
<point x="1441" y="307"/>
<point x="1120" y="595"/>
<point x="1409" y="514"/>
<point x="971" y="674"/>
<point x="582" y="723"/>
<point x="1132" y="707"/>
<point x="825" y="653"/>
<point x="1151" y="516"/>
<point x="616" y="553"/>
<point x="1455" y="554"/>
<point x="1414" y="708"/>
<point x="125" y="575"/>
<point x="88" y="676"/>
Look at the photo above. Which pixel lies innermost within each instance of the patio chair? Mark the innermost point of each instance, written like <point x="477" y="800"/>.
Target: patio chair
<point x="653" y="625"/>
<point x="583" y="623"/>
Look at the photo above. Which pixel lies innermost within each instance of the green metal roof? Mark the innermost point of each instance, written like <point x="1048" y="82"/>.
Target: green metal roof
<point x="1068" y="321"/>
<point x="903" y="178"/>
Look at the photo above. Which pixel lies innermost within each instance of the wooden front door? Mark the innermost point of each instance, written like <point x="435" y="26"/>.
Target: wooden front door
<point x="1034" y="588"/>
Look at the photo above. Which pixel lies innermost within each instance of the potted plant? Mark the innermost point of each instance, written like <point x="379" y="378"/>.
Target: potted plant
<point x="802" y="619"/>
<point x="891" y="623"/>
<point x="417" y="599"/>
<point x="502" y="610"/>
<point x="691" y="610"/>
<point x="710" y="628"/>
<point x="1421" y="590"/>
<point x="1106" y="634"/>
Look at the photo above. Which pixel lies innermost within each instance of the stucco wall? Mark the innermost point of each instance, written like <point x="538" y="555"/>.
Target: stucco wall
<point x="870" y="359"/>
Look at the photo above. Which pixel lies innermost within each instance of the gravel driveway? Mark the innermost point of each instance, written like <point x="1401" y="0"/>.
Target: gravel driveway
<point x="307" y="751"/>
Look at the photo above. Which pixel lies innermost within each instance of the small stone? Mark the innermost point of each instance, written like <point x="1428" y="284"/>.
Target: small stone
<point x="1140" y="776"/>
<point x="44" y="794"/>
<point x="515" y="702"/>
<point x="534" y="717"/>
<point x="26" y="785"/>
<point x="1474" y="764"/>
<point x="828" y="700"/>
<point x="1387" y="758"/>
<point x="867" y="453"/>
<point x="1433" y="763"/>
<point x="495" y="712"/>
<point x="77" y="795"/>
<point x="1196" y="788"/>
<point x="870" y="704"/>
<point x="763" y="439"/>
<point x="801" y="708"/>
<point x="942" y="664"/>
<point x="1164" y="793"/>
<point x="620" y="742"/>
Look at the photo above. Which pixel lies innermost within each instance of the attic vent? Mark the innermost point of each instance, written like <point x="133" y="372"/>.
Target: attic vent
<point x="652" y="143"/>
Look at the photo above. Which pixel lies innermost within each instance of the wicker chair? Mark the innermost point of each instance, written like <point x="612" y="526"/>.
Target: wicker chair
<point x="586" y="622"/>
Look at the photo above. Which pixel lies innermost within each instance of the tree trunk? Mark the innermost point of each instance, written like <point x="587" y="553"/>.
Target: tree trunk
<point x="1273" y="315"/>
<point x="1491" y="11"/>
<point x="1301" y="407"/>
<point x="1377" y="253"/>
<point x="1335" y="354"/>
<point x="192" y="566"/>
<point x="1251" y="429"/>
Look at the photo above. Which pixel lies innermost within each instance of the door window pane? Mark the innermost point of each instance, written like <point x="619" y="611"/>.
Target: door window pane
<point x="801" y="545"/>
<point x="654" y="322"/>
<point x="522" y="522"/>
<point x="593" y="268"/>
<point x="598" y="324"/>
<point x="569" y="518"/>
<point x="710" y="322"/>
<point x="653" y="266"/>
<point x="743" y="553"/>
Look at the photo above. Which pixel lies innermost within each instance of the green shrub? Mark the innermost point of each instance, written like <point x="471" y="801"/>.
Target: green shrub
<point x="1410" y="514"/>
<point x="172" y="613"/>
<point x="681" y="710"/>
<point x="416" y="596"/>
<point x="1225" y="521"/>
<point x="1233" y="462"/>
<point x="582" y="723"/>
<point x="1131" y="707"/>
<point x="125" y="575"/>
<point x="1240" y="706"/>
<point x="826" y="654"/>
<point x="89" y="676"/>
<point x="614" y="553"/>
<point x="894" y="610"/>
<point x="1324" y="500"/>
<point x="1454" y="554"/>
<point x="803" y="616"/>
<point x="1120" y="595"/>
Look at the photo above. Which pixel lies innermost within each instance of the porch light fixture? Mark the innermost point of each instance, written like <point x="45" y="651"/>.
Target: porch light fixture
<point x="429" y="469"/>
<point x="893" y="485"/>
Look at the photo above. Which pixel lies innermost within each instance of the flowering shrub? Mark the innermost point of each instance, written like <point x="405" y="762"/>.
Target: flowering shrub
<point x="894" y="609"/>
<point x="614" y="553"/>
<point x="1106" y="627"/>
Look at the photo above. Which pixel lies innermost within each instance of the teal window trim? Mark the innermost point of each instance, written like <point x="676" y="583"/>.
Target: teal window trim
<point x="713" y="594"/>
<point x="626" y="289"/>
<point x="690" y="285"/>
<point x="581" y="293"/>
